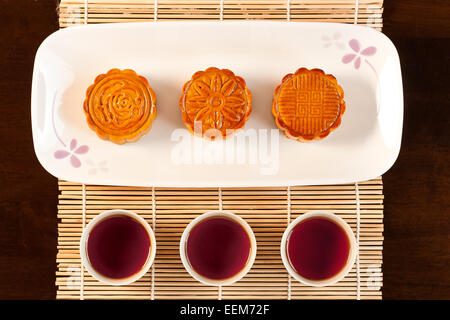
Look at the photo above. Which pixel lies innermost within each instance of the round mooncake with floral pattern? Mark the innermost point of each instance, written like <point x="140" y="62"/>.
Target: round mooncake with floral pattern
<point x="215" y="103"/>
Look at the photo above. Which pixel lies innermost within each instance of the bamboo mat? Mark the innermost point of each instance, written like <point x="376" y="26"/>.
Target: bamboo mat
<point x="268" y="210"/>
<point x="366" y="12"/>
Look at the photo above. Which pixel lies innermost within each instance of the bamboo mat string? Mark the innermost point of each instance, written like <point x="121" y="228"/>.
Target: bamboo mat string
<point x="288" y="222"/>
<point x="358" y="222"/>
<point x="219" y="289"/>
<point x="221" y="10"/>
<point x="288" y="10"/>
<point x="356" y="11"/>
<point x="152" y="297"/>
<point x="83" y="224"/>
<point x="154" y="230"/>
<point x="220" y="198"/>
<point x="85" y="11"/>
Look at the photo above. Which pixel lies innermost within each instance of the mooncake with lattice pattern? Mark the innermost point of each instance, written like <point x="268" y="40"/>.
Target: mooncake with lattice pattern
<point x="308" y="105"/>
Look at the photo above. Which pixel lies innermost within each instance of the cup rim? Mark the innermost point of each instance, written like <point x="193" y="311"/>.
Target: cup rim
<point x="85" y="237"/>
<point x="351" y="256"/>
<point x="240" y="274"/>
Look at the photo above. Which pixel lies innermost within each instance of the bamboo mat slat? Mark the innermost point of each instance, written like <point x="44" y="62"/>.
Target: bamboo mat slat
<point x="264" y="208"/>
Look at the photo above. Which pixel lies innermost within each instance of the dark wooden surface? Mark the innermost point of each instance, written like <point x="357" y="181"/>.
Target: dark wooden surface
<point x="417" y="201"/>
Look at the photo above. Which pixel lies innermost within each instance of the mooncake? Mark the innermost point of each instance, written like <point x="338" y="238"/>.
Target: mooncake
<point x="308" y="105"/>
<point x="215" y="103"/>
<point x="120" y="106"/>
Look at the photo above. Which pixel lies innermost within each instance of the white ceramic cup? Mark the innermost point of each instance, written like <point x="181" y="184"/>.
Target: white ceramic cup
<point x="85" y="239"/>
<point x="351" y="255"/>
<point x="218" y="214"/>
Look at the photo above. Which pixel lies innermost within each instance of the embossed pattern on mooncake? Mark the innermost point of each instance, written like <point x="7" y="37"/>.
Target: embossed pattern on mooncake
<point x="308" y="105"/>
<point x="214" y="103"/>
<point x="120" y="106"/>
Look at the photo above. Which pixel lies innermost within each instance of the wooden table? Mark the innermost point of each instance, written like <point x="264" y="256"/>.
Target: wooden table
<point x="417" y="202"/>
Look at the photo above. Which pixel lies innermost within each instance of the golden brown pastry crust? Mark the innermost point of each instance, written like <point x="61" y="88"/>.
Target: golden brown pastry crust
<point x="215" y="103"/>
<point x="308" y="105"/>
<point x="120" y="106"/>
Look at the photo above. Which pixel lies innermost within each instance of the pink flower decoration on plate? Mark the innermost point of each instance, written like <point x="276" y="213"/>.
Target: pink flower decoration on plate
<point x="72" y="153"/>
<point x="358" y="53"/>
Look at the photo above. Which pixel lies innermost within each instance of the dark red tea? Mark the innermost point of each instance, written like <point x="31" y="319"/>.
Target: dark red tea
<point x="318" y="248"/>
<point x="118" y="247"/>
<point x="218" y="248"/>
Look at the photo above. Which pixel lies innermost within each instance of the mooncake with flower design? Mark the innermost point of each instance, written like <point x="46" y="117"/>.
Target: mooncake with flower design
<point x="308" y="105"/>
<point x="215" y="103"/>
<point x="120" y="106"/>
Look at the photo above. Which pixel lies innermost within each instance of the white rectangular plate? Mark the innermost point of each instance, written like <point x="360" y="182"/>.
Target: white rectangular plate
<point x="168" y="53"/>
